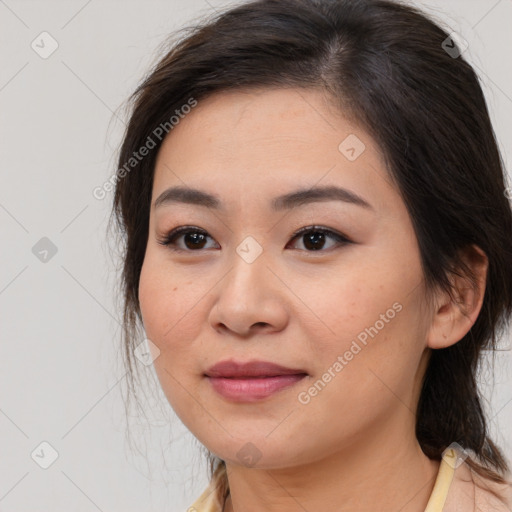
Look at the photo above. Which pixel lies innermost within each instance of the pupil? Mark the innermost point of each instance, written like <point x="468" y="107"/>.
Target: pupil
<point x="314" y="238"/>
<point x="194" y="237"/>
<point x="311" y="240"/>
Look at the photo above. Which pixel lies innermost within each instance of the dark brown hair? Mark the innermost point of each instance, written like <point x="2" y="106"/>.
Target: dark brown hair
<point x="385" y="65"/>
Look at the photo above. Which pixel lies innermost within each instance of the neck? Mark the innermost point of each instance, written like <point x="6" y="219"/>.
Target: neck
<point x="379" y="473"/>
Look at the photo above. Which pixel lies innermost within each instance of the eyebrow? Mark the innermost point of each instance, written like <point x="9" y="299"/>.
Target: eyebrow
<point x="300" y="197"/>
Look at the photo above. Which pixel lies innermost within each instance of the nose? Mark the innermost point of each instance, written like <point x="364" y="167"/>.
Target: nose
<point x="250" y="298"/>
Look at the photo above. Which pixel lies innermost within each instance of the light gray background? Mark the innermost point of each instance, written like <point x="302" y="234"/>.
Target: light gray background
<point x="61" y="377"/>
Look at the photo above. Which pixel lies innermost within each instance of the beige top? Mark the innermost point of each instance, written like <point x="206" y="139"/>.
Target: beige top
<point x="457" y="489"/>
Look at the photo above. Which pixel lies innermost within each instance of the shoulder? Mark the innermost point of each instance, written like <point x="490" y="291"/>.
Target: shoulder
<point x="491" y="496"/>
<point x="207" y="502"/>
<point x="470" y="491"/>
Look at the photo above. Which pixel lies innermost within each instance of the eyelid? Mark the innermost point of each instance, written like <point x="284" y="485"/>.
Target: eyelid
<point x="168" y="239"/>
<point x="339" y="237"/>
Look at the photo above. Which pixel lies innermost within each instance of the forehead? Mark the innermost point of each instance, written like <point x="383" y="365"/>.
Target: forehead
<point x="260" y="142"/>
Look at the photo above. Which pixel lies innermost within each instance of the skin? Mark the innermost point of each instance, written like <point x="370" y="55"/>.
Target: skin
<point x="352" y="446"/>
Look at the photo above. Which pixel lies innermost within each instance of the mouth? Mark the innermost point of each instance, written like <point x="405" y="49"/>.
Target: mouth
<point x="251" y="381"/>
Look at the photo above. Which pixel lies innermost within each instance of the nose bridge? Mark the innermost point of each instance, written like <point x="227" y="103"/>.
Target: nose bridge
<point x="248" y="268"/>
<point x="246" y="295"/>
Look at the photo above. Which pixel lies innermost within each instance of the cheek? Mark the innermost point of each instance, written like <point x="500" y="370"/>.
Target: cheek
<point x="349" y="304"/>
<point x="373" y="320"/>
<point x="155" y="299"/>
<point x="174" y="311"/>
<point x="164" y="303"/>
<point x="167" y="302"/>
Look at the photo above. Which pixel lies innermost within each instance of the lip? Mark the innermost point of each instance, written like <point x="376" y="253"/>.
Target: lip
<point x="234" y="369"/>
<point x="251" y="381"/>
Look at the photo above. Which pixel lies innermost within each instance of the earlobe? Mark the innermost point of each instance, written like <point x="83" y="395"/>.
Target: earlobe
<point x="453" y="316"/>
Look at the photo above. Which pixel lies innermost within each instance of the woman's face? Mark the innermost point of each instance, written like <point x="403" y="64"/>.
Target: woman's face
<point x="346" y="316"/>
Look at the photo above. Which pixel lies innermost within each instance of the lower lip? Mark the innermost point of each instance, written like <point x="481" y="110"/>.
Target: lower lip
<point x="251" y="390"/>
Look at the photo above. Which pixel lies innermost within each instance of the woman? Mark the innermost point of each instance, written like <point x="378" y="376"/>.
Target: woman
<point x="318" y="246"/>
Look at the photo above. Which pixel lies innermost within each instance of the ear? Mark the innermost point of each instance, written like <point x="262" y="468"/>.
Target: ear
<point x="452" y="319"/>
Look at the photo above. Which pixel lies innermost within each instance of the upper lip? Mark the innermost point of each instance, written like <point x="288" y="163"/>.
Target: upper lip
<point x="230" y="368"/>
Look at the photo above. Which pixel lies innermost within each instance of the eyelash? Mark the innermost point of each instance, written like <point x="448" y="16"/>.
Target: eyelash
<point x="169" y="239"/>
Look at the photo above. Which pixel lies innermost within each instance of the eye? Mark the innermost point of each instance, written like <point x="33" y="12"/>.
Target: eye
<point x="194" y="238"/>
<point x="314" y="238"/>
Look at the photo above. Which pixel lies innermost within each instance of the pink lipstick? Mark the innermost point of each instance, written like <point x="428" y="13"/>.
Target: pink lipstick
<point x="251" y="381"/>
